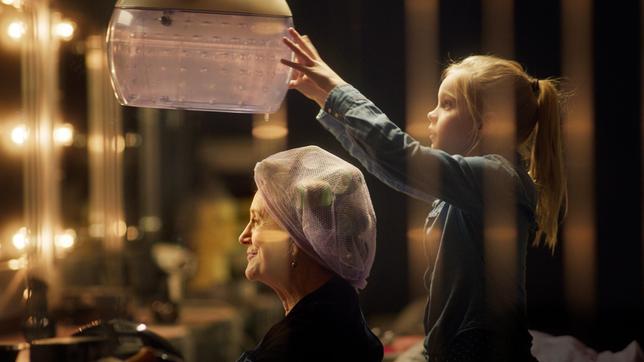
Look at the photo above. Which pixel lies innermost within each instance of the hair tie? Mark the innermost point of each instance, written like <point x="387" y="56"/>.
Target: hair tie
<point x="534" y="83"/>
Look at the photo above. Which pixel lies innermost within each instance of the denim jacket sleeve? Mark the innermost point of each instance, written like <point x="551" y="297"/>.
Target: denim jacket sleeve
<point x="384" y="150"/>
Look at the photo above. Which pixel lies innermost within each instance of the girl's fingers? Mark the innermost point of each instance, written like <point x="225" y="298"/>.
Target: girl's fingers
<point x="296" y="66"/>
<point x="294" y="32"/>
<point x="303" y="42"/>
<point x="298" y="51"/>
<point x="295" y="75"/>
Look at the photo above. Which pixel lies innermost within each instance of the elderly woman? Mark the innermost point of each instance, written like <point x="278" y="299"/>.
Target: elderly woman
<point x="311" y="238"/>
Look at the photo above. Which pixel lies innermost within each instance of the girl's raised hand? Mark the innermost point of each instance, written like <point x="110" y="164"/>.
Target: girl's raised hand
<point x="312" y="77"/>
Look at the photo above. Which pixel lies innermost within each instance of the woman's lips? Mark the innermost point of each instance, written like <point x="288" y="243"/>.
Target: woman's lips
<point x="250" y="255"/>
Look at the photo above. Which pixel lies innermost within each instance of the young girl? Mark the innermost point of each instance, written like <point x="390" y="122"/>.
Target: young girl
<point x="462" y="323"/>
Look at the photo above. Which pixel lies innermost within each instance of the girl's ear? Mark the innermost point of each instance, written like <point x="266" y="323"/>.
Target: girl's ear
<point x="488" y="118"/>
<point x="497" y="132"/>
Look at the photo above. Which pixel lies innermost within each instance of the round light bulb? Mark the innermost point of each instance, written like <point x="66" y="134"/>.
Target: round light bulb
<point x="19" y="135"/>
<point x="67" y="239"/>
<point x="64" y="30"/>
<point x="64" y="134"/>
<point x="16" y="29"/>
<point x="20" y="239"/>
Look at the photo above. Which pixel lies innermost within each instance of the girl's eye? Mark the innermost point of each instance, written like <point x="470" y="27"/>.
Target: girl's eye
<point x="448" y="104"/>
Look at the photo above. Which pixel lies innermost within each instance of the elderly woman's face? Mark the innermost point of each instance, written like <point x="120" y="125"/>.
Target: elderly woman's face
<point x="267" y="245"/>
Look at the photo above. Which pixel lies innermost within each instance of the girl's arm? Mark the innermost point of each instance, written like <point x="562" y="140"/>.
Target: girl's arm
<point x="386" y="151"/>
<point x="382" y="147"/>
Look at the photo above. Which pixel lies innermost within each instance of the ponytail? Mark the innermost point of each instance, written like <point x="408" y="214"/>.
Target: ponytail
<point x="538" y="130"/>
<point x="546" y="166"/>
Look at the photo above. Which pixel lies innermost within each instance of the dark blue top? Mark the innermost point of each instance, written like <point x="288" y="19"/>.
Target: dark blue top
<point x="326" y="325"/>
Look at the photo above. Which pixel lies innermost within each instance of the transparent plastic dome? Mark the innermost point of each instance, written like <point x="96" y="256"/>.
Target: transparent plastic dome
<point x="196" y="60"/>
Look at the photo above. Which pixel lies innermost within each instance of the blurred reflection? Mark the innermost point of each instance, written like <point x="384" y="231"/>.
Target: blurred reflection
<point x="211" y="229"/>
<point x="19" y="135"/>
<point x="579" y="235"/>
<point x="16" y="29"/>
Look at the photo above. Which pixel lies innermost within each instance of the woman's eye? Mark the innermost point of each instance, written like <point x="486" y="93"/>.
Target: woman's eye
<point x="448" y="104"/>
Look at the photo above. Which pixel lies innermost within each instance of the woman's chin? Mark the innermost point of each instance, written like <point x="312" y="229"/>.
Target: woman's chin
<point x="250" y="273"/>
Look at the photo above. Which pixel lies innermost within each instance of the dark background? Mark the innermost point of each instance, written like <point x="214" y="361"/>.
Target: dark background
<point x="364" y="41"/>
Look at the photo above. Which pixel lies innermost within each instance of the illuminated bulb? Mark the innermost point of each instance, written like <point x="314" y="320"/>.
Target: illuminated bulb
<point x="15" y="3"/>
<point x="19" y="135"/>
<point x="132" y="140"/>
<point x="64" y="135"/>
<point x="120" y="228"/>
<point x="20" y="239"/>
<point x="120" y="144"/>
<point x="95" y="59"/>
<point x="151" y="223"/>
<point x="17" y="264"/>
<point x="141" y="327"/>
<point x="16" y="29"/>
<point x="67" y="239"/>
<point x="132" y="233"/>
<point x="64" y="30"/>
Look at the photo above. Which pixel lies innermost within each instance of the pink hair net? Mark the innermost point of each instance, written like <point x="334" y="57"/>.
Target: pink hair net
<point x="324" y="204"/>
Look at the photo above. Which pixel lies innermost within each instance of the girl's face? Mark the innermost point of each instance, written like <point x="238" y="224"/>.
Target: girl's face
<point x="267" y="246"/>
<point x="450" y="123"/>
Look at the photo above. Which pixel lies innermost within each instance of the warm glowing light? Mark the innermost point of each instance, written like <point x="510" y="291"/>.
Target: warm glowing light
<point x="416" y="234"/>
<point x="19" y="135"/>
<point x="132" y="233"/>
<point x="96" y="230"/>
<point x="20" y="239"/>
<point x="151" y="223"/>
<point x="141" y="327"/>
<point x="67" y="239"/>
<point x="419" y="131"/>
<point x="16" y="29"/>
<point x="64" y="134"/>
<point x="64" y="30"/>
<point x="17" y="264"/>
<point x="120" y="228"/>
<point x="15" y="3"/>
<point x="271" y="236"/>
<point x="120" y="144"/>
<point x="95" y="59"/>
<point x="133" y="140"/>
<point x="95" y="144"/>
<point x="270" y="131"/>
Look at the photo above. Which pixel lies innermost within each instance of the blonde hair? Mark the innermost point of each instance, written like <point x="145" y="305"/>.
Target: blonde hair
<point x="537" y="110"/>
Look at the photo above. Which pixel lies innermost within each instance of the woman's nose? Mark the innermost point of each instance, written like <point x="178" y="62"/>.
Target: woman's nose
<point x="245" y="236"/>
